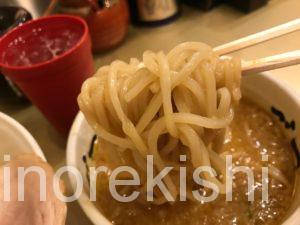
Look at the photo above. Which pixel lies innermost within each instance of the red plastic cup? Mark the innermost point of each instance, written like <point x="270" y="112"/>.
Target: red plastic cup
<point x="49" y="59"/>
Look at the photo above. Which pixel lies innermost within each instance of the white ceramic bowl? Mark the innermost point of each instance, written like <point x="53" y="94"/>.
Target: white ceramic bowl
<point x="262" y="89"/>
<point x="15" y="139"/>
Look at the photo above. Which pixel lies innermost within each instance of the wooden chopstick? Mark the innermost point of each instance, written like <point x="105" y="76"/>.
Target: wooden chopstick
<point x="267" y="63"/>
<point x="271" y="62"/>
<point x="258" y="38"/>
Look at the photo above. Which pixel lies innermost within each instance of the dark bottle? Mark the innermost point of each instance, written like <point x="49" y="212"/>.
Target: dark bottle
<point x="247" y="5"/>
<point x="153" y="12"/>
<point x="203" y="4"/>
<point x="11" y="17"/>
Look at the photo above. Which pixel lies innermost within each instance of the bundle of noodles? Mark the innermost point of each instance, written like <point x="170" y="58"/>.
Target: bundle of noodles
<point x="165" y="106"/>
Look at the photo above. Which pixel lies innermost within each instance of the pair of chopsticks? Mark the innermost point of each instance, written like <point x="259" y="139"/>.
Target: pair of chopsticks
<point x="268" y="63"/>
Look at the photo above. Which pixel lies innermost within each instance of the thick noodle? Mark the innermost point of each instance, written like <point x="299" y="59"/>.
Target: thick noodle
<point x="166" y="105"/>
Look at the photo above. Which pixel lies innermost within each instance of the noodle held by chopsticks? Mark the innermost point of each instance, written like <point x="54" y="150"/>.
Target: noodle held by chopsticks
<point x="165" y="106"/>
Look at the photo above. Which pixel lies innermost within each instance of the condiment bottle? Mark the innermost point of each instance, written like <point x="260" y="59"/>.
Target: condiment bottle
<point x="108" y="23"/>
<point x="153" y="12"/>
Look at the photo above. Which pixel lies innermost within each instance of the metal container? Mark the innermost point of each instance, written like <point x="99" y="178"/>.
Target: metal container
<point x="153" y="12"/>
<point x="35" y="7"/>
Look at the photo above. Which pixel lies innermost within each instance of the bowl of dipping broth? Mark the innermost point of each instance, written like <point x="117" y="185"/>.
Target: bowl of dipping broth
<point x="272" y="100"/>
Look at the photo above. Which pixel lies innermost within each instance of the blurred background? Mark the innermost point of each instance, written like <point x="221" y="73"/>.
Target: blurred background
<point x="122" y="29"/>
<point x="35" y="7"/>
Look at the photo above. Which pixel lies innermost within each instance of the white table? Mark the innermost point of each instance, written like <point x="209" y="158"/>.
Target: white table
<point x="216" y="27"/>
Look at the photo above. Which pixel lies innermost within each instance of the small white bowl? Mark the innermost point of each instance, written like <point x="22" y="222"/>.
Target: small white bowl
<point x="262" y="89"/>
<point x="15" y="139"/>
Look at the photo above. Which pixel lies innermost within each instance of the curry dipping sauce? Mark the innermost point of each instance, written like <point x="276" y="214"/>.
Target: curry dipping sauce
<point x="252" y="133"/>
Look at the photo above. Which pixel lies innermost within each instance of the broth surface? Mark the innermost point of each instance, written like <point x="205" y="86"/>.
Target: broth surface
<point x="253" y="133"/>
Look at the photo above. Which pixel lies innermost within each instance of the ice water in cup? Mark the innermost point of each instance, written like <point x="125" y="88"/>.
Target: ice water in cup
<point x="38" y="47"/>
